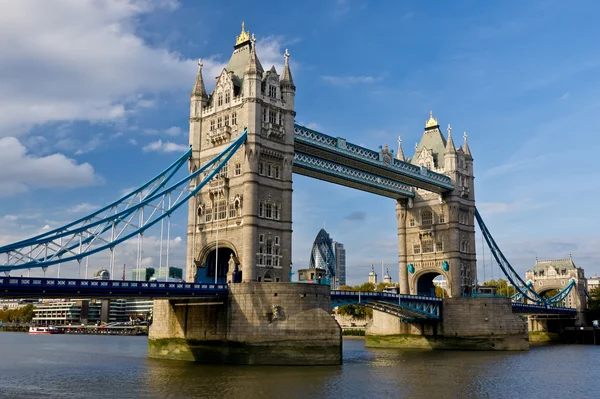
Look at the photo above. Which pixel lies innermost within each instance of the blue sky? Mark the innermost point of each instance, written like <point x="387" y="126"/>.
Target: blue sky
<point x="94" y="100"/>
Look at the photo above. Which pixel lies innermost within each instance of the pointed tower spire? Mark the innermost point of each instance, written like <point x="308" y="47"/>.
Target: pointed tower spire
<point x="286" y="76"/>
<point x="431" y="122"/>
<point x="450" y="148"/>
<point x="199" y="89"/>
<point x="253" y="64"/>
<point x="400" y="154"/>
<point x="466" y="148"/>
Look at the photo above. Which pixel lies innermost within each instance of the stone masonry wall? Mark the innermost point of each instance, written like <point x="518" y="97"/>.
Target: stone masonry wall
<point x="468" y="323"/>
<point x="261" y="323"/>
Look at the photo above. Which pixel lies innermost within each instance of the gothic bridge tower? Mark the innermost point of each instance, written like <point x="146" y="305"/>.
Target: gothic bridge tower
<point x="548" y="277"/>
<point x="240" y="224"/>
<point x="436" y="233"/>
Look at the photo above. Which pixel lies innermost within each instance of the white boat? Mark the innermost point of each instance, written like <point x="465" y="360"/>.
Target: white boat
<point x="44" y="330"/>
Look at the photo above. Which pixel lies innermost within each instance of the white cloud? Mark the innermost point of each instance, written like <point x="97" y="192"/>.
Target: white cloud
<point x="20" y="172"/>
<point x="83" y="60"/>
<point x="270" y="50"/>
<point x="83" y="208"/>
<point x="172" y="131"/>
<point x="349" y="80"/>
<point x="166" y="146"/>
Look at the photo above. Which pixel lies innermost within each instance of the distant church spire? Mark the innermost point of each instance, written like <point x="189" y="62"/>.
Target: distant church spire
<point x="199" y="89"/>
<point x="400" y="154"/>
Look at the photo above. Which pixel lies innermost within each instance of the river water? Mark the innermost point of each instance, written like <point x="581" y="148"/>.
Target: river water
<point x="92" y="366"/>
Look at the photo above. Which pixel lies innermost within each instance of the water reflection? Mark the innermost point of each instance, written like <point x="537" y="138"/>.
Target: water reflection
<point x="117" y="367"/>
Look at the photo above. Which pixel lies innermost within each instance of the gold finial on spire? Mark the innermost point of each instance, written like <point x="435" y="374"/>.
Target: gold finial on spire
<point x="432" y="122"/>
<point x="243" y="37"/>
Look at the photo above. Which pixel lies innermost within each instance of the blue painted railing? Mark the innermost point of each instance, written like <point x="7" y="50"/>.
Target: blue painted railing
<point x="542" y="309"/>
<point x="78" y="288"/>
<point x="423" y="307"/>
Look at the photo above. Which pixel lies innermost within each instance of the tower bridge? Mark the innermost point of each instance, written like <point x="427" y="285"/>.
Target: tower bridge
<point x="244" y="148"/>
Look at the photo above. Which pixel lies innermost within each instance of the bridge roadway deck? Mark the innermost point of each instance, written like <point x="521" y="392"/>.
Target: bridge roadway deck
<point x="23" y="287"/>
<point x="411" y="306"/>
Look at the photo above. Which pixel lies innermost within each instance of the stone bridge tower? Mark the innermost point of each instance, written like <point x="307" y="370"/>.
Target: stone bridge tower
<point x="245" y="211"/>
<point x="555" y="275"/>
<point x="436" y="233"/>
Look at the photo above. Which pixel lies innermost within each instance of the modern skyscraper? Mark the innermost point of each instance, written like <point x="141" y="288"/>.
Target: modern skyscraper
<point x="322" y="255"/>
<point x="340" y="264"/>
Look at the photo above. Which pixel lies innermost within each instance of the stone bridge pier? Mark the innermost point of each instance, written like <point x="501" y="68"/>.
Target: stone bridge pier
<point x="257" y="323"/>
<point x="467" y="324"/>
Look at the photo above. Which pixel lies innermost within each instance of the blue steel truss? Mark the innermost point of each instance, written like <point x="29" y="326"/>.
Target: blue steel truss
<point x="340" y="146"/>
<point x="350" y="174"/>
<point x="411" y="306"/>
<point x="22" y="287"/>
<point x="542" y="309"/>
<point x="126" y="218"/>
<point x="524" y="289"/>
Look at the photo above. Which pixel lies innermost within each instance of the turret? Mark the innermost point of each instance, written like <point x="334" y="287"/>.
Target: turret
<point x="469" y="173"/>
<point x="387" y="278"/>
<point x="253" y="72"/>
<point x="400" y="154"/>
<point x="198" y="100"/>
<point x="468" y="156"/>
<point x="450" y="153"/>
<point x="373" y="275"/>
<point x="288" y="89"/>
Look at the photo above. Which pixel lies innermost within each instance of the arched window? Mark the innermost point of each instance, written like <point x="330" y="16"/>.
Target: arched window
<point x="268" y="277"/>
<point x="220" y="99"/>
<point x="227" y="98"/>
<point x="235" y="209"/>
<point x="426" y="218"/>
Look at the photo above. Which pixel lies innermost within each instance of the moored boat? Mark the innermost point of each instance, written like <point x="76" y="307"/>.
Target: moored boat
<point x="44" y="330"/>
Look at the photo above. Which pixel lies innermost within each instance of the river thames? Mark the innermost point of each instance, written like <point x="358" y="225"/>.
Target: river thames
<point x="68" y="366"/>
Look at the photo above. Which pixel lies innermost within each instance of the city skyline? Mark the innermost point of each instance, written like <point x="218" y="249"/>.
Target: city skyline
<point x="63" y="151"/>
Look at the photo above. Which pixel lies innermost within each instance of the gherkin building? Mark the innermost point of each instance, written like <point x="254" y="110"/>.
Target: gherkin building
<point x="322" y="255"/>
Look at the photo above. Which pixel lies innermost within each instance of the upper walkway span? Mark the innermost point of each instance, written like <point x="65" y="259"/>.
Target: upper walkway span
<point x="335" y="160"/>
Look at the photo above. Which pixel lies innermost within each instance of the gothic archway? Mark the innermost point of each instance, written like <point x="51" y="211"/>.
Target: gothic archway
<point x="426" y="287"/>
<point x="211" y="263"/>
<point x="268" y="277"/>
